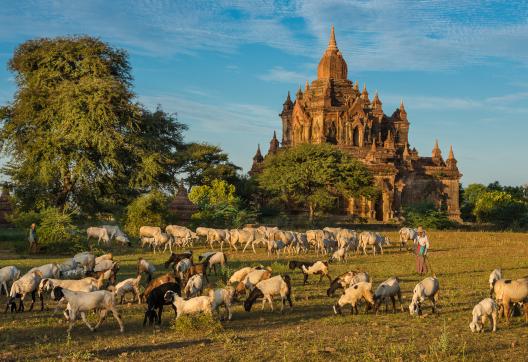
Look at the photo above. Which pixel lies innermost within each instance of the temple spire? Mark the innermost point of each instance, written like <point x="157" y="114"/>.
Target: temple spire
<point x="451" y="155"/>
<point x="332" y="42"/>
<point x="299" y="93"/>
<point x="306" y="87"/>
<point x="274" y="144"/>
<point x="437" y="154"/>
<point x="258" y="155"/>
<point x="451" y="161"/>
<point x="364" y="93"/>
<point x="402" y="107"/>
<point x="356" y="86"/>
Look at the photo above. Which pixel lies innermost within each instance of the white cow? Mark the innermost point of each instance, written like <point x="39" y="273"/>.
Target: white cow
<point x="99" y="233"/>
<point x="407" y="234"/>
<point x="182" y="236"/>
<point x="373" y="239"/>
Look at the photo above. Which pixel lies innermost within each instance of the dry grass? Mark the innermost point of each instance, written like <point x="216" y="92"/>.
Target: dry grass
<point x="461" y="260"/>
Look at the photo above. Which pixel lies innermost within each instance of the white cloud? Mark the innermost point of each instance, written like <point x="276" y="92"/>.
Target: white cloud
<point x="373" y="35"/>
<point x="279" y="74"/>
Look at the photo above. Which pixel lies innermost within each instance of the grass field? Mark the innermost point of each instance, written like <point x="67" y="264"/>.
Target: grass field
<point x="461" y="260"/>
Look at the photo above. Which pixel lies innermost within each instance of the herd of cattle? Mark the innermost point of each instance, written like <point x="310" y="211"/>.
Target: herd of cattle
<point x="89" y="283"/>
<point x="334" y="241"/>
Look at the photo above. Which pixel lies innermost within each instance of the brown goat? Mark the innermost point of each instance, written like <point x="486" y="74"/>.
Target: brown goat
<point x="199" y="268"/>
<point x="165" y="278"/>
<point x="261" y="275"/>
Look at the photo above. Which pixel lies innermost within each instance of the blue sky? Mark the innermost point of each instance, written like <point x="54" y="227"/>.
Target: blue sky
<point x="225" y="66"/>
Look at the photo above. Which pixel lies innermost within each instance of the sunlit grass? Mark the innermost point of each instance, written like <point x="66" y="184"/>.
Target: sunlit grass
<point x="461" y="260"/>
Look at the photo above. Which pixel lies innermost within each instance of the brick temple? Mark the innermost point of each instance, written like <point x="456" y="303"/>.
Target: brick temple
<point x="332" y="109"/>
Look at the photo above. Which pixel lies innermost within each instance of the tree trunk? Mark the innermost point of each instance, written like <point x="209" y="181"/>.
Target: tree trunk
<point x="310" y="211"/>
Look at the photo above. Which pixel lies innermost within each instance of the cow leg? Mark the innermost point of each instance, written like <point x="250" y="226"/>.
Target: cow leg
<point x="305" y="279"/>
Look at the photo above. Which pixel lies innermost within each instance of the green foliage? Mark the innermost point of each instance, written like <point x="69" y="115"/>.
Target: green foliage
<point x="503" y="206"/>
<point x="220" y="192"/>
<point x="197" y="323"/>
<point x="23" y="219"/>
<point x="57" y="233"/>
<point x="314" y="176"/>
<point x="219" y="206"/>
<point x="502" y="209"/>
<point x="428" y="216"/>
<point x="468" y="199"/>
<point x="148" y="209"/>
<point x="74" y="134"/>
<point x="204" y="163"/>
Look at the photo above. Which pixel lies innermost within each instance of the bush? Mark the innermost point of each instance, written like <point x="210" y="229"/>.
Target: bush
<point x="197" y="323"/>
<point x="149" y="209"/>
<point x="57" y="233"/>
<point x="501" y="209"/>
<point x="24" y="219"/>
<point x="219" y="206"/>
<point x="223" y="216"/>
<point x="428" y="216"/>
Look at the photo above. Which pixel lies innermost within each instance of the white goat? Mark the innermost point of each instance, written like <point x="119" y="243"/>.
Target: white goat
<point x="202" y="304"/>
<point x="353" y="294"/>
<point x="82" y="285"/>
<point x="426" y="289"/>
<point x="218" y="258"/>
<point x="86" y="260"/>
<point x="108" y="256"/>
<point x="182" y="266"/>
<point x="194" y="286"/>
<point x="67" y="265"/>
<point x="50" y="270"/>
<point x="494" y="276"/>
<point x="487" y="308"/>
<point x="130" y="285"/>
<point x="82" y="302"/>
<point x="27" y="284"/>
<point x="144" y="266"/>
<point x="340" y="254"/>
<point x="317" y="268"/>
<point x="266" y="289"/>
<point x="389" y="289"/>
<point x="240" y="274"/>
<point x="76" y="273"/>
<point x="8" y="274"/>
<point x="223" y="297"/>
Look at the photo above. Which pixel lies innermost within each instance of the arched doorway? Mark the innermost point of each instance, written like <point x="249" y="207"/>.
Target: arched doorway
<point x="355" y="137"/>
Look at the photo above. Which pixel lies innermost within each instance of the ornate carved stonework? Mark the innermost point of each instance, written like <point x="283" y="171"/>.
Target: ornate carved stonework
<point x="333" y="110"/>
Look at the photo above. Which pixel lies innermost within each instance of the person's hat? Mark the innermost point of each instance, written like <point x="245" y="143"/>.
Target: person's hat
<point x="420" y="229"/>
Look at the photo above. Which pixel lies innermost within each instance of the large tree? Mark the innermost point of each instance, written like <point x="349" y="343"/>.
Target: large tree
<point x="314" y="176"/>
<point x="74" y="133"/>
<point x="204" y="163"/>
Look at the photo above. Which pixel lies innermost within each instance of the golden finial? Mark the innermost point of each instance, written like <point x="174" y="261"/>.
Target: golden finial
<point x="332" y="42"/>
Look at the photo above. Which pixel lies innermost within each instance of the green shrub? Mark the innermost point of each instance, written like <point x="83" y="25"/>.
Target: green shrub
<point x="428" y="216"/>
<point x="197" y="323"/>
<point x="57" y="233"/>
<point x="502" y="209"/>
<point x="24" y="219"/>
<point x="149" y="209"/>
<point x="219" y="206"/>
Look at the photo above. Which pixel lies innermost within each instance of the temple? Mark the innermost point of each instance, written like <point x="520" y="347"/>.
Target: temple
<point x="332" y="109"/>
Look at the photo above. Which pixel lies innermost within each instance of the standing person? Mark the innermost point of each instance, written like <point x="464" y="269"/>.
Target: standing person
<point x="33" y="239"/>
<point x="422" y="246"/>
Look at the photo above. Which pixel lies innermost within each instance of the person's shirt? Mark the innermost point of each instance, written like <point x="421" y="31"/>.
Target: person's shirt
<point x="32" y="235"/>
<point x="422" y="244"/>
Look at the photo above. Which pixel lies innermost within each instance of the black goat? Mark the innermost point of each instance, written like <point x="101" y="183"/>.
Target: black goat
<point x="156" y="300"/>
<point x="175" y="258"/>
